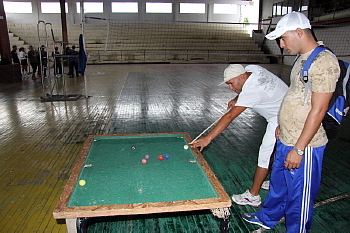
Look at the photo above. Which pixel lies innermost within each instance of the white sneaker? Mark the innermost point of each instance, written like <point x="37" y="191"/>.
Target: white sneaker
<point x="266" y="185"/>
<point x="247" y="199"/>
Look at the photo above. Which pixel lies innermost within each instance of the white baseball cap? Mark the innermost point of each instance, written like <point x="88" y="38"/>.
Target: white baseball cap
<point x="232" y="71"/>
<point x="289" y="22"/>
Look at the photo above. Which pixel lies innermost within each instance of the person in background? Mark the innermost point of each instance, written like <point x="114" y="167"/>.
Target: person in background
<point x="24" y="62"/>
<point x="73" y="63"/>
<point x="66" y="51"/>
<point x="14" y="55"/>
<point x="296" y="173"/>
<point x="57" y="62"/>
<point x="42" y="61"/>
<point x="262" y="91"/>
<point x="33" y="60"/>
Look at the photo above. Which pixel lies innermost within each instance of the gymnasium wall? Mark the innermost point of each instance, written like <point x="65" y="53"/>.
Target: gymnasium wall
<point x="75" y="18"/>
<point x="336" y="37"/>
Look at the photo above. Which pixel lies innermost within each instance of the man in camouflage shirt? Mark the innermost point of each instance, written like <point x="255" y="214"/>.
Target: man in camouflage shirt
<point x="296" y="172"/>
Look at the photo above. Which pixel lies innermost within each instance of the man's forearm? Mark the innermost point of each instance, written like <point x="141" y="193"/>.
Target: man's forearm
<point x="225" y="121"/>
<point x="314" y="119"/>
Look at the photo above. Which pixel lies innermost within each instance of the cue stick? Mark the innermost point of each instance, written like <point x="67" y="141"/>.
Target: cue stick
<point x="210" y="126"/>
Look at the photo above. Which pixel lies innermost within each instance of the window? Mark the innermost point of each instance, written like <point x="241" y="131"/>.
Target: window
<point x="91" y="7"/>
<point x="52" y="7"/>
<point x="225" y="8"/>
<point x="287" y="6"/>
<point x="78" y="7"/>
<point x="195" y="8"/>
<point x="286" y="9"/>
<point x="277" y="9"/>
<point x="303" y="6"/>
<point x="159" y="7"/>
<point x="18" y="7"/>
<point x="125" y="7"/>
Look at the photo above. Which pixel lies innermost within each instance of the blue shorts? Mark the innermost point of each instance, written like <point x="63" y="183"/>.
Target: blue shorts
<point x="292" y="192"/>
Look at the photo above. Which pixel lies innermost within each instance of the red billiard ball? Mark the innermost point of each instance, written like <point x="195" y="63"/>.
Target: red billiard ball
<point x="144" y="160"/>
<point x="160" y="157"/>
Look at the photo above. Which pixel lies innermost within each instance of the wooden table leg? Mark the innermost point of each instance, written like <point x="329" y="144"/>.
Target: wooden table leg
<point x="71" y="225"/>
<point x="225" y="225"/>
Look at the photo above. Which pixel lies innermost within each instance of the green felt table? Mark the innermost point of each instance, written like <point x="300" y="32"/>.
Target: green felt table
<point x="118" y="183"/>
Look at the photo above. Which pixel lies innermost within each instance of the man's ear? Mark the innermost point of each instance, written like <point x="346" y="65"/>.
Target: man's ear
<point x="299" y="32"/>
<point x="242" y="77"/>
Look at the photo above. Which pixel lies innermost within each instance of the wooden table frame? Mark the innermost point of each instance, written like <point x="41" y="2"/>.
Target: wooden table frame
<point x="71" y="214"/>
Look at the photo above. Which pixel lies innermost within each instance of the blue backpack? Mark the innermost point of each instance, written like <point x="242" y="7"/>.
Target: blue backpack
<point x="339" y="103"/>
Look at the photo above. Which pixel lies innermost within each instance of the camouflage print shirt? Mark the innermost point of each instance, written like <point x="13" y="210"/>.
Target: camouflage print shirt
<point x="323" y="75"/>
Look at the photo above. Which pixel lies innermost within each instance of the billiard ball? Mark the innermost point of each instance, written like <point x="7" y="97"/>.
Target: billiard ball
<point x="144" y="160"/>
<point x="133" y="147"/>
<point x="185" y="147"/>
<point x="82" y="182"/>
<point x="160" y="157"/>
<point x="167" y="156"/>
<point x="146" y="156"/>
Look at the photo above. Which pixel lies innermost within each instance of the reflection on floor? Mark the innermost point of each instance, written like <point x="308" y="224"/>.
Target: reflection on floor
<point x="40" y="143"/>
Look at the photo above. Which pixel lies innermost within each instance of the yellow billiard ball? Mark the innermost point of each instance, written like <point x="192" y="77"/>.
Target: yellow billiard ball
<point x="82" y="182"/>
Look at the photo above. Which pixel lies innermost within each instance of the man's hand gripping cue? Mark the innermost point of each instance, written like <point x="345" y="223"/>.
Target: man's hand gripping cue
<point x="201" y="143"/>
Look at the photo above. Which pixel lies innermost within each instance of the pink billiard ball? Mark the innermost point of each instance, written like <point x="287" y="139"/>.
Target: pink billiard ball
<point x="144" y="160"/>
<point x="146" y="156"/>
<point x="160" y="157"/>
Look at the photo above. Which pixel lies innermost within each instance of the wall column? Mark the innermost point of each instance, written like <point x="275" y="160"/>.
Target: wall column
<point x="64" y="24"/>
<point x="4" y="36"/>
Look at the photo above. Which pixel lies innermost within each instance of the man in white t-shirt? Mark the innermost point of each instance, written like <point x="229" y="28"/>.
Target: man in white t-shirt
<point x="262" y="91"/>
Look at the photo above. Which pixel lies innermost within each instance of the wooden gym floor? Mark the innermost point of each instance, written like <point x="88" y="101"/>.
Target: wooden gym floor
<point x="40" y="142"/>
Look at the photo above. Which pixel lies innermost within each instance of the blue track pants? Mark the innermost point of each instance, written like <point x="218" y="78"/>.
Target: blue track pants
<point x="292" y="192"/>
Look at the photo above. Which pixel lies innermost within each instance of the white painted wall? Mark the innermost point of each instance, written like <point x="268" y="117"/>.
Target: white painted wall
<point x="75" y="18"/>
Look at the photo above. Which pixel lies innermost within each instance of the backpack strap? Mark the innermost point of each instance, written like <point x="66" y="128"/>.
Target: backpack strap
<point x="346" y="79"/>
<point x="306" y="67"/>
<point x="310" y="59"/>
